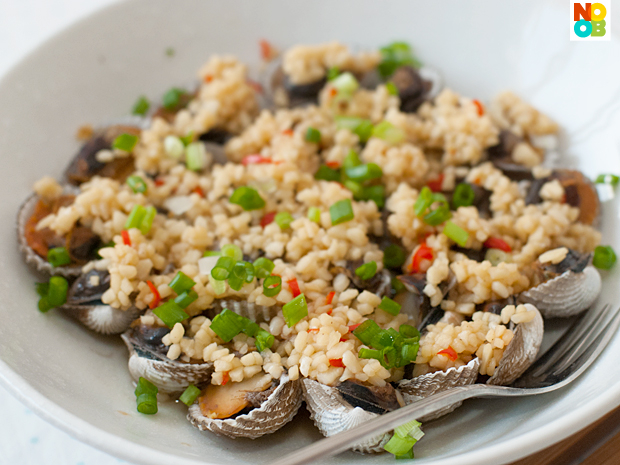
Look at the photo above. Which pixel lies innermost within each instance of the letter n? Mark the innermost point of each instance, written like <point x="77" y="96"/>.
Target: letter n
<point x="581" y="11"/>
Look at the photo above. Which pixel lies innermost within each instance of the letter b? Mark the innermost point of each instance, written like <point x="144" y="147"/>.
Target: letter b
<point x="598" y="28"/>
<point x="587" y="31"/>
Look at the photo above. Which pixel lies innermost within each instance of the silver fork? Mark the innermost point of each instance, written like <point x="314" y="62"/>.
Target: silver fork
<point x="568" y="358"/>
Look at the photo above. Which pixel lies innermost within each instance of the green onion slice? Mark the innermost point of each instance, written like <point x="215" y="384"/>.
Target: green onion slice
<point x="332" y="73"/>
<point x="141" y="107"/>
<point x="375" y="193"/>
<point x="272" y="286"/>
<point x="367" y="270"/>
<point x="367" y="331"/>
<point x="456" y="233"/>
<point x="170" y="313"/>
<point x="196" y="156"/>
<point x="391" y="88"/>
<point x="233" y="251"/>
<point x="314" y="214"/>
<point x="181" y="283"/>
<point x="345" y="84"/>
<point x="190" y="395"/>
<point x="219" y="287"/>
<point x="173" y="147"/>
<point x="313" y="135"/>
<point x="173" y="99"/>
<point x="187" y="139"/>
<point x="604" y="257"/>
<point x="186" y="298"/>
<point x="394" y="256"/>
<point x="53" y="293"/>
<point x="359" y="126"/>
<point x="388" y="305"/>
<point x="137" y="184"/>
<point x="250" y="272"/>
<point x="408" y="331"/>
<point x="352" y="159"/>
<point x="222" y="268"/>
<point x="125" y="142"/>
<point x="284" y="220"/>
<point x="463" y="196"/>
<point x="226" y="325"/>
<point x="295" y="310"/>
<point x="147" y="404"/>
<point x="355" y="187"/>
<point x="395" y="55"/>
<point x="388" y="132"/>
<point x="365" y="172"/>
<point x="263" y="267"/>
<point x="325" y="173"/>
<point x="144" y="386"/>
<point x="341" y="212"/>
<point x="237" y="276"/>
<point x="397" y="286"/>
<point x="438" y="216"/>
<point x="423" y="202"/>
<point x="247" y="198"/>
<point x="607" y="179"/>
<point x="212" y="253"/>
<point x="134" y="220"/>
<point x="58" y="256"/>
<point x="147" y="220"/>
<point x="264" y="340"/>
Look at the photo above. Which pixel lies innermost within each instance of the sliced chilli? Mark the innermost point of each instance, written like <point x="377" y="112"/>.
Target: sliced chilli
<point x="450" y="353"/>
<point x="156" y="296"/>
<point x="424" y="252"/>
<point x="497" y="243"/>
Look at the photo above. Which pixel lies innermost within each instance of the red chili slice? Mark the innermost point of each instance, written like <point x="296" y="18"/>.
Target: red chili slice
<point x="159" y="182"/>
<point x="255" y="85"/>
<point x="435" y="184"/>
<point x="267" y="219"/>
<point x="336" y="362"/>
<point x="225" y="378"/>
<point x="479" y="107"/>
<point x="450" y="353"/>
<point x="156" y="297"/>
<point x="266" y="50"/>
<point x="198" y="190"/>
<point x="329" y="312"/>
<point x="292" y="283"/>
<point x="126" y="238"/>
<point x="313" y="330"/>
<point x="255" y="159"/>
<point x="333" y="164"/>
<point x="287" y="132"/>
<point x="353" y="327"/>
<point x="497" y="243"/>
<point x="330" y="297"/>
<point x="424" y="252"/>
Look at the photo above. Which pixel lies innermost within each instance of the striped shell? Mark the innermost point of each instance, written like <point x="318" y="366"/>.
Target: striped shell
<point x="426" y="385"/>
<point x="170" y="376"/>
<point x="332" y="414"/>
<point x="102" y="318"/>
<point x="279" y="408"/>
<point x="256" y="313"/>
<point x="565" y="295"/>
<point x="521" y="352"/>
<point x="30" y="256"/>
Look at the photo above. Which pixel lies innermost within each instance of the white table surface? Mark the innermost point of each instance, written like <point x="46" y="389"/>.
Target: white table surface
<point x="25" y="439"/>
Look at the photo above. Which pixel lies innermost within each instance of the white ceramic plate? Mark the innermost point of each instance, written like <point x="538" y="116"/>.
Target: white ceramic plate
<point x="94" y="71"/>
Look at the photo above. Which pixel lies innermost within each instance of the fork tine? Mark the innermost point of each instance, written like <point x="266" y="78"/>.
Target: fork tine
<point x="603" y="329"/>
<point x="573" y="335"/>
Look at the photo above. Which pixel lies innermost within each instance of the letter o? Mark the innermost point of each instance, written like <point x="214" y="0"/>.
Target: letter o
<point x="601" y="15"/>
<point x="581" y="33"/>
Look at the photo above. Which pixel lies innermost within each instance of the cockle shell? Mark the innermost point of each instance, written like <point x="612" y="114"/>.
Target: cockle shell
<point x="30" y="256"/>
<point x="426" y="385"/>
<point x="565" y="295"/>
<point x="521" y="352"/>
<point x="102" y="318"/>
<point x="170" y="376"/>
<point x="332" y="414"/>
<point x="256" y="313"/>
<point x="279" y="408"/>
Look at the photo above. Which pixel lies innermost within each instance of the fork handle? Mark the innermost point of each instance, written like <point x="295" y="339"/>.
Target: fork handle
<point x="383" y="423"/>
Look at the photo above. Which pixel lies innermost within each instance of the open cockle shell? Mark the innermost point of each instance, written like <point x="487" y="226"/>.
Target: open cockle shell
<point x="565" y="295"/>
<point x="279" y="408"/>
<point x="256" y="313"/>
<point x="170" y="376"/>
<point x="332" y="414"/>
<point x="520" y="352"/>
<point x="30" y="256"/>
<point x="102" y="318"/>
<point x="426" y="385"/>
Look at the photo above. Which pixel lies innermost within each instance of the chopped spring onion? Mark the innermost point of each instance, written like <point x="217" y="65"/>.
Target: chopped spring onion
<point x="402" y="444"/>
<point x="394" y="256"/>
<point x="352" y="159"/>
<point x="219" y="286"/>
<point x="141" y="107"/>
<point x="237" y="276"/>
<point x="388" y="305"/>
<point x="284" y="220"/>
<point x="604" y="257"/>
<point x="247" y="198"/>
<point x="325" y="173"/>
<point x="345" y="84"/>
<point x="233" y="251"/>
<point x="407" y="456"/>
<point x="314" y="214"/>
<point x="146" y="397"/>
<point x="53" y="293"/>
<point x="186" y="298"/>
<point x="190" y="395"/>
<point x="497" y="256"/>
<point x="423" y="202"/>
<point x="173" y="99"/>
<point x="147" y="220"/>
<point x="263" y="267"/>
<point x="438" y="216"/>
<point x="375" y="193"/>
<point x="409" y="331"/>
<point x="134" y="220"/>
<point x="365" y="172"/>
<point x="212" y="253"/>
<point x="226" y="325"/>
<point x="397" y="286"/>
<point x="456" y="233"/>
<point x="367" y="331"/>
<point x="392" y="348"/>
<point x="367" y="270"/>
<point x="181" y="283"/>
<point x="272" y="285"/>
<point x="125" y="142"/>
<point x="463" y="196"/>
<point x="173" y="147"/>
<point x="188" y="138"/>
<point x="250" y="272"/>
<point x="196" y="156"/>
<point x="58" y="256"/>
<point x="222" y="268"/>
<point x="355" y="188"/>
<point x="313" y="135"/>
<point x="170" y="313"/>
<point x="607" y="179"/>
<point x="295" y="310"/>
<point x="388" y="132"/>
<point x="395" y="55"/>
<point x="391" y="88"/>
<point x="264" y="340"/>
<point x="341" y="212"/>
<point x="332" y="73"/>
<point x="137" y="184"/>
<point x="370" y="353"/>
<point x="359" y="126"/>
